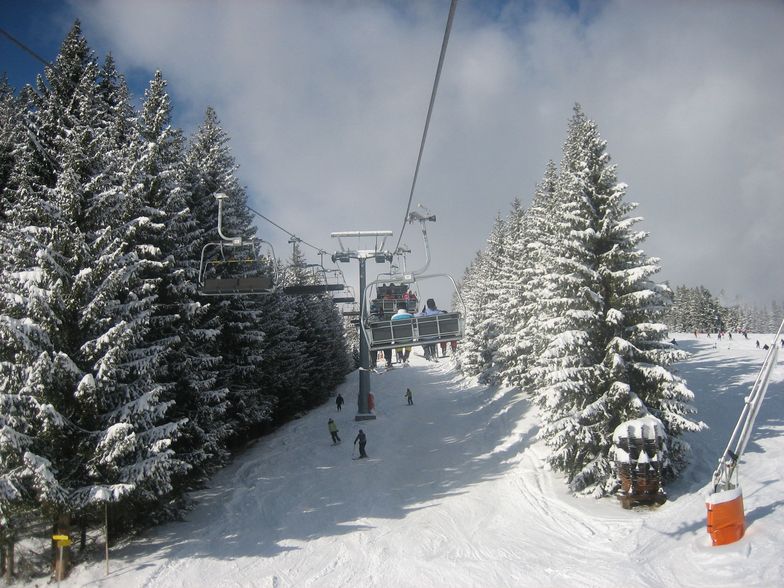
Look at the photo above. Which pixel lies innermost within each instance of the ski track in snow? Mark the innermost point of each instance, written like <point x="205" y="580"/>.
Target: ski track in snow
<point x="456" y="493"/>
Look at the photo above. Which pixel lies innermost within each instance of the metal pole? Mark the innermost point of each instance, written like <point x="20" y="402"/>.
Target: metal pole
<point x="364" y="355"/>
<point x="106" y="532"/>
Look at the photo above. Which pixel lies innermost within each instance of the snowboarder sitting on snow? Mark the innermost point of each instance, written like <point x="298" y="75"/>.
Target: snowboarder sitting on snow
<point x="362" y="441"/>
<point x="333" y="430"/>
<point x="339" y="401"/>
<point x="409" y="396"/>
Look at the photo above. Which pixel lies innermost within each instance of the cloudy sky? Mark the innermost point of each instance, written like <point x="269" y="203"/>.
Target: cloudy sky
<point x="325" y="102"/>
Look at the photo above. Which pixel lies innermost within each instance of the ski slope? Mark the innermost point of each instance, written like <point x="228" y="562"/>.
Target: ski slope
<point x="455" y="493"/>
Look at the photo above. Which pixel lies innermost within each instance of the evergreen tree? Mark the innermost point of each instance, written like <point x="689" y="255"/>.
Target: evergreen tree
<point x="508" y="305"/>
<point x="605" y="361"/>
<point x="482" y="288"/>
<point x="233" y="322"/>
<point x="11" y="130"/>
<point x="106" y="437"/>
<point x="531" y="244"/>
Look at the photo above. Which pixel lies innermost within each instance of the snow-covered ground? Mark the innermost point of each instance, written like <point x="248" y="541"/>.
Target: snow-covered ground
<point x="455" y="493"/>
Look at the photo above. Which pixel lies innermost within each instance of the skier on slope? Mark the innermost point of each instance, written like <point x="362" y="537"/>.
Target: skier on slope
<point x="339" y="401"/>
<point x="333" y="430"/>
<point x="362" y="441"/>
<point x="409" y="396"/>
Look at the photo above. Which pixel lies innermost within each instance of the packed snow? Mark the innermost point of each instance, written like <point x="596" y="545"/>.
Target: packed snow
<point x="456" y="493"/>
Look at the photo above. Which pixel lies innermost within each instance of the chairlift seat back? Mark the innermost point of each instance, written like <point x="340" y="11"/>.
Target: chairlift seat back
<point x="233" y="286"/>
<point x="439" y="328"/>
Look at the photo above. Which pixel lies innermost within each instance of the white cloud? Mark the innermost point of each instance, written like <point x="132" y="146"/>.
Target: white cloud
<point x="325" y="103"/>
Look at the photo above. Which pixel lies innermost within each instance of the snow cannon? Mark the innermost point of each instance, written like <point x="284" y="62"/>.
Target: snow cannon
<point x="726" y="521"/>
<point x="639" y="453"/>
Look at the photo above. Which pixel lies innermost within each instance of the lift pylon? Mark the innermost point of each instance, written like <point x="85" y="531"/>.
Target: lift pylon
<point x="362" y="255"/>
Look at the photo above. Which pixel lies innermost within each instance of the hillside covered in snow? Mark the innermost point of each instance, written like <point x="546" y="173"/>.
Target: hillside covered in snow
<point x="455" y="493"/>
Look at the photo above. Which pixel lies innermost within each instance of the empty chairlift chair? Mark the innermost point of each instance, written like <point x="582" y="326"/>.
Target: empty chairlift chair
<point x="235" y="266"/>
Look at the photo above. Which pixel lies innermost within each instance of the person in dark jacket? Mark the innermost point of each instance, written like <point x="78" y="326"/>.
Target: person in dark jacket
<point x="333" y="430"/>
<point x="409" y="396"/>
<point x="430" y="309"/>
<point x="362" y="440"/>
<point x="339" y="401"/>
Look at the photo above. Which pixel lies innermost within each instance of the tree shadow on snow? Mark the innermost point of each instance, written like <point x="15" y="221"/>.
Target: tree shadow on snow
<point x="462" y="438"/>
<point x="720" y="386"/>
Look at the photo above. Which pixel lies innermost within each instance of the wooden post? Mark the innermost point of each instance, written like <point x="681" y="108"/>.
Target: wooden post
<point x="106" y="532"/>
<point x="9" y="560"/>
<point x="62" y="562"/>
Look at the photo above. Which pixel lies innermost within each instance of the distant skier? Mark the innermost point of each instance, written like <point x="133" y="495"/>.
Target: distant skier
<point x="362" y="440"/>
<point x="409" y="396"/>
<point x="333" y="430"/>
<point x="339" y="401"/>
<point x="757" y="343"/>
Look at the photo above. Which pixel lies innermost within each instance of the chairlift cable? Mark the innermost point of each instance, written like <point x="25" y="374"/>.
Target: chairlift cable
<point x="24" y="47"/>
<point x="290" y="234"/>
<point x="441" y="57"/>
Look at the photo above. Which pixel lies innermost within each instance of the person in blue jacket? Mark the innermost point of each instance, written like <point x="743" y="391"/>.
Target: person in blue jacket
<point x="402" y="313"/>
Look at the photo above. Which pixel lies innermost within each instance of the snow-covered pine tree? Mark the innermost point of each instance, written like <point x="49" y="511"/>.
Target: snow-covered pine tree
<point x="284" y="351"/>
<point x="106" y="435"/>
<point x="466" y="357"/>
<point x="48" y="247"/>
<point x="325" y="361"/>
<point x="110" y="301"/>
<point x="233" y="322"/>
<point x="27" y="421"/>
<point x="534" y="239"/>
<point x="482" y="286"/>
<point x="11" y="129"/>
<point x="507" y="306"/>
<point x="605" y="361"/>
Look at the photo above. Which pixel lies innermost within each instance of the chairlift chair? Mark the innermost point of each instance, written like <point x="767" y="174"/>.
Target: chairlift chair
<point x="322" y="286"/>
<point x="235" y="266"/>
<point x="384" y="333"/>
<point x="348" y="298"/>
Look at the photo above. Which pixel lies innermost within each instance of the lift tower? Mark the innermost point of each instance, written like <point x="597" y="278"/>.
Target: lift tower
<point x="362" y="255"/>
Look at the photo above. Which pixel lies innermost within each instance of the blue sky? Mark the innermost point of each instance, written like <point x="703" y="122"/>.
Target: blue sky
<point x="39" y="24"/>
<point x="325" y="104"/>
